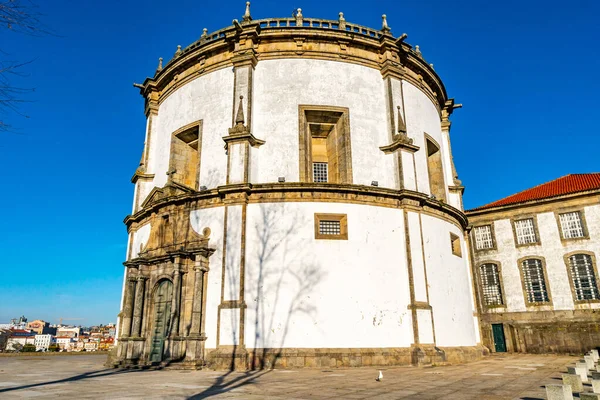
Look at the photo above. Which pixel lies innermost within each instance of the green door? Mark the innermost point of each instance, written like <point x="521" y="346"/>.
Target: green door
<point x="162" y="314"/>
<point x="499" y="341"/>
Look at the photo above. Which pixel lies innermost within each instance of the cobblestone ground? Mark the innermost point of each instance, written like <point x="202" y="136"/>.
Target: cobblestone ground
<point x="84" y="377"/>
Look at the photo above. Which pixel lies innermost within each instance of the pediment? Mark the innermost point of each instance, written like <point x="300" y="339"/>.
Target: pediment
<point x="171" y="189"/>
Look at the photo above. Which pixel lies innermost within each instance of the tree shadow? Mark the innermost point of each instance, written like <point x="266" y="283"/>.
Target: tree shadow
<point x="75" y="378"/>
<point x="280" y="277"/>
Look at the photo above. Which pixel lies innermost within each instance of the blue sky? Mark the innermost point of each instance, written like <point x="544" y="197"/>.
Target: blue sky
<point x="524" y="70"/>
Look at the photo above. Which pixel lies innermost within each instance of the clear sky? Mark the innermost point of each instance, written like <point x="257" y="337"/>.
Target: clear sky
<point x="526" y="72"/>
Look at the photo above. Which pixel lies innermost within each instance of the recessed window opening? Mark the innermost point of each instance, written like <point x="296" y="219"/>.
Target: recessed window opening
<point x="534" y="281"/>
<point x="185" y="156"/>
<point x="435" y="170"/>
<point x="331" y="226"/>
<point x="483" y="237"/>
<point x="490" y="281"/>
<point x="583" y="277"/>
<point x="525" y="230"/>
<point x="571" y="225"/>
<point x="455" y="244"/>
<point x="325" y="145"/>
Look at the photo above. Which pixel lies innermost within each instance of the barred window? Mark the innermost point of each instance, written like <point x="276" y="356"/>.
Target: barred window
<point x="320" y="172"/>
<point x="584" y="279"/>
<point x="525" y="231"/>
<point x="535" y="281"/>
<point x="490" y="281"/>
<point x="571" y="225"/>
<point x="483" y="237"/>
<point x="330" y="227"/>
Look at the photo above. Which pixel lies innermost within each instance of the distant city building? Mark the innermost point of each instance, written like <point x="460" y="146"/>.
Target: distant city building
<point x="535" y="264"/>
<point x="15" y="323"/>
<point x="73" y="332"/>
<point x="65" y="343"/>
<point x="19" y="338"/>
<point x="42" y="342"/>
<point x="40" y="327"/>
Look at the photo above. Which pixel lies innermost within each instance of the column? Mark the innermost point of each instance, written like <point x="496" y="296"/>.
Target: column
<point x="200" y="267"/>
<point x="138" y="306"/>
<point x="128" y="307"/>
<point x="175" y="305"/>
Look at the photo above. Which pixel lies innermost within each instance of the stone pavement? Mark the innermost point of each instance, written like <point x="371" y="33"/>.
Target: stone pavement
<point x="84" y="377"/>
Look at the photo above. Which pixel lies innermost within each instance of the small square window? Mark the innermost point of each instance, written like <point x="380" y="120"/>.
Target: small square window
<point x="320" y="172"/>
<point x="571" y="225"/>
<point x="331" y="226"/>
<point x="455" y="243"/>
<point x="525" y="230"/>
<point x="483" y="237"/>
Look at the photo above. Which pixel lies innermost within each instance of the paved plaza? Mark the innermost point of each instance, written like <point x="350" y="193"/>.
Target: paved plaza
<point x="79" y="377"/>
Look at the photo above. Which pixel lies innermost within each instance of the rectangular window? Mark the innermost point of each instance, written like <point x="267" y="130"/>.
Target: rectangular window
<point x="483" y="237"/>
<point x="535" y="281"/>
<point x="583" y="277"/>
<point x="571" y="226"/>
<point x="331" y="226"/>
<point x="320" y="172"/>
<point x="455" y="244"/>
<point x="525" y="230"/>
<point x="490" y="281"/>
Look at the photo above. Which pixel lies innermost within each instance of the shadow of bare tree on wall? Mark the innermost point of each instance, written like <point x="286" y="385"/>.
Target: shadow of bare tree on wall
<point x="281" y="277"/>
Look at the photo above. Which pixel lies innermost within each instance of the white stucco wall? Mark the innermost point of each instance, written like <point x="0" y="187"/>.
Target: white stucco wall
<point x="552" y="249"/>
<point x="207" y="98"/>
<point x="212" y="218"/>
<point x="280" y="86"/>
<point x="450" y="293"/>
<point x="326" y="293"/>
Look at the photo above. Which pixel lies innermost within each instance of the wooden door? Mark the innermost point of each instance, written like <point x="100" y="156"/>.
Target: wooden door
<point x="499" y="340"/>
<point x="161" y="319"/>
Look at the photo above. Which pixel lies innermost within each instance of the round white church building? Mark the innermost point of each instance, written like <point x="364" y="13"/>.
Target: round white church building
<point x="296" y="205"/>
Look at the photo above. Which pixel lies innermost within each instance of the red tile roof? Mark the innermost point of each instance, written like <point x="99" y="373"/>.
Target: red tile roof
<point x="569" y="184"/>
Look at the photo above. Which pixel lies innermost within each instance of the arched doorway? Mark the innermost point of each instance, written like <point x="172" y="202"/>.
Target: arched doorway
<point x="160" y="321"/>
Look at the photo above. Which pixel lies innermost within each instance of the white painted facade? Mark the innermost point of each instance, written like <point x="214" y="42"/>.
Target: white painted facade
<point x="395" y="282"/>
<point x="42" y="342"/>
<point x="551" y="248"/>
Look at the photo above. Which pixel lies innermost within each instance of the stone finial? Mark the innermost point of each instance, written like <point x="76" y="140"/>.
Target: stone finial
<point x="342" y="22"/>
<point x="401" y="124"/>
<point x="384" y="25"/>
<point x="178" y="51"/>
<point x="431" y="65"/>
<point x="239" y="117"/>
<point x="160" y="67"/>
<point x="204" y="33"/>
<point x="418" y="51"/>
<point x="299" y="17"/>
<point x="247" y="17"/>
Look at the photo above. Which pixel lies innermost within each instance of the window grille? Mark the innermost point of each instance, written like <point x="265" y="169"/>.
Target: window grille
<point x="535" y="282"/>
<point x="330" y="228"/>
<point x="571" y="226"/>
<point x="483" y="237"/>
<point x="320" y="172"/>
<point x="525" y="231"/>
<point x="584" y="279"/>
<point x="490" y="280"/>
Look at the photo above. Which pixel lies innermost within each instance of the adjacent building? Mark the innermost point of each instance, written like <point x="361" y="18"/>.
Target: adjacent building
<point x="535" y="259"/>
<point x="19" y="338"/>
<point x="42" y="342"/>
<point x="296" y="204"/>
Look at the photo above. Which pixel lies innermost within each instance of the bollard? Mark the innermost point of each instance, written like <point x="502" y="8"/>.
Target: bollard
<point x="582" y="370"/>
<point x="589" y="360"/>
<point x="574" y="381"/>
<point x="559" y="392"/>
<point x="595" y="354"/>
<point x="595" y="384"/>
<point x="589" y="396"/>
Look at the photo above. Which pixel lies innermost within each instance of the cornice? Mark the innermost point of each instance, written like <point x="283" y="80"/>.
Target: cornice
<point x="299" y="192"/>
<point x="269" y="39"/>
<point x="531" y="203"/>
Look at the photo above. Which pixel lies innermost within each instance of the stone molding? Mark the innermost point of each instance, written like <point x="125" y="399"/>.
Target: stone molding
<point x="253" y="41"/>
<point x="299" y="192"/>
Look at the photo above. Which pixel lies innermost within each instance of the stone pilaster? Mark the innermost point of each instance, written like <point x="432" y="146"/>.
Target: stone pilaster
<point x="138" y="306"/>
<point x="200" y="268"/>
<point x="456" y="188"/>
<point x="176" y="301"/>
<point x="128" y="306"/>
